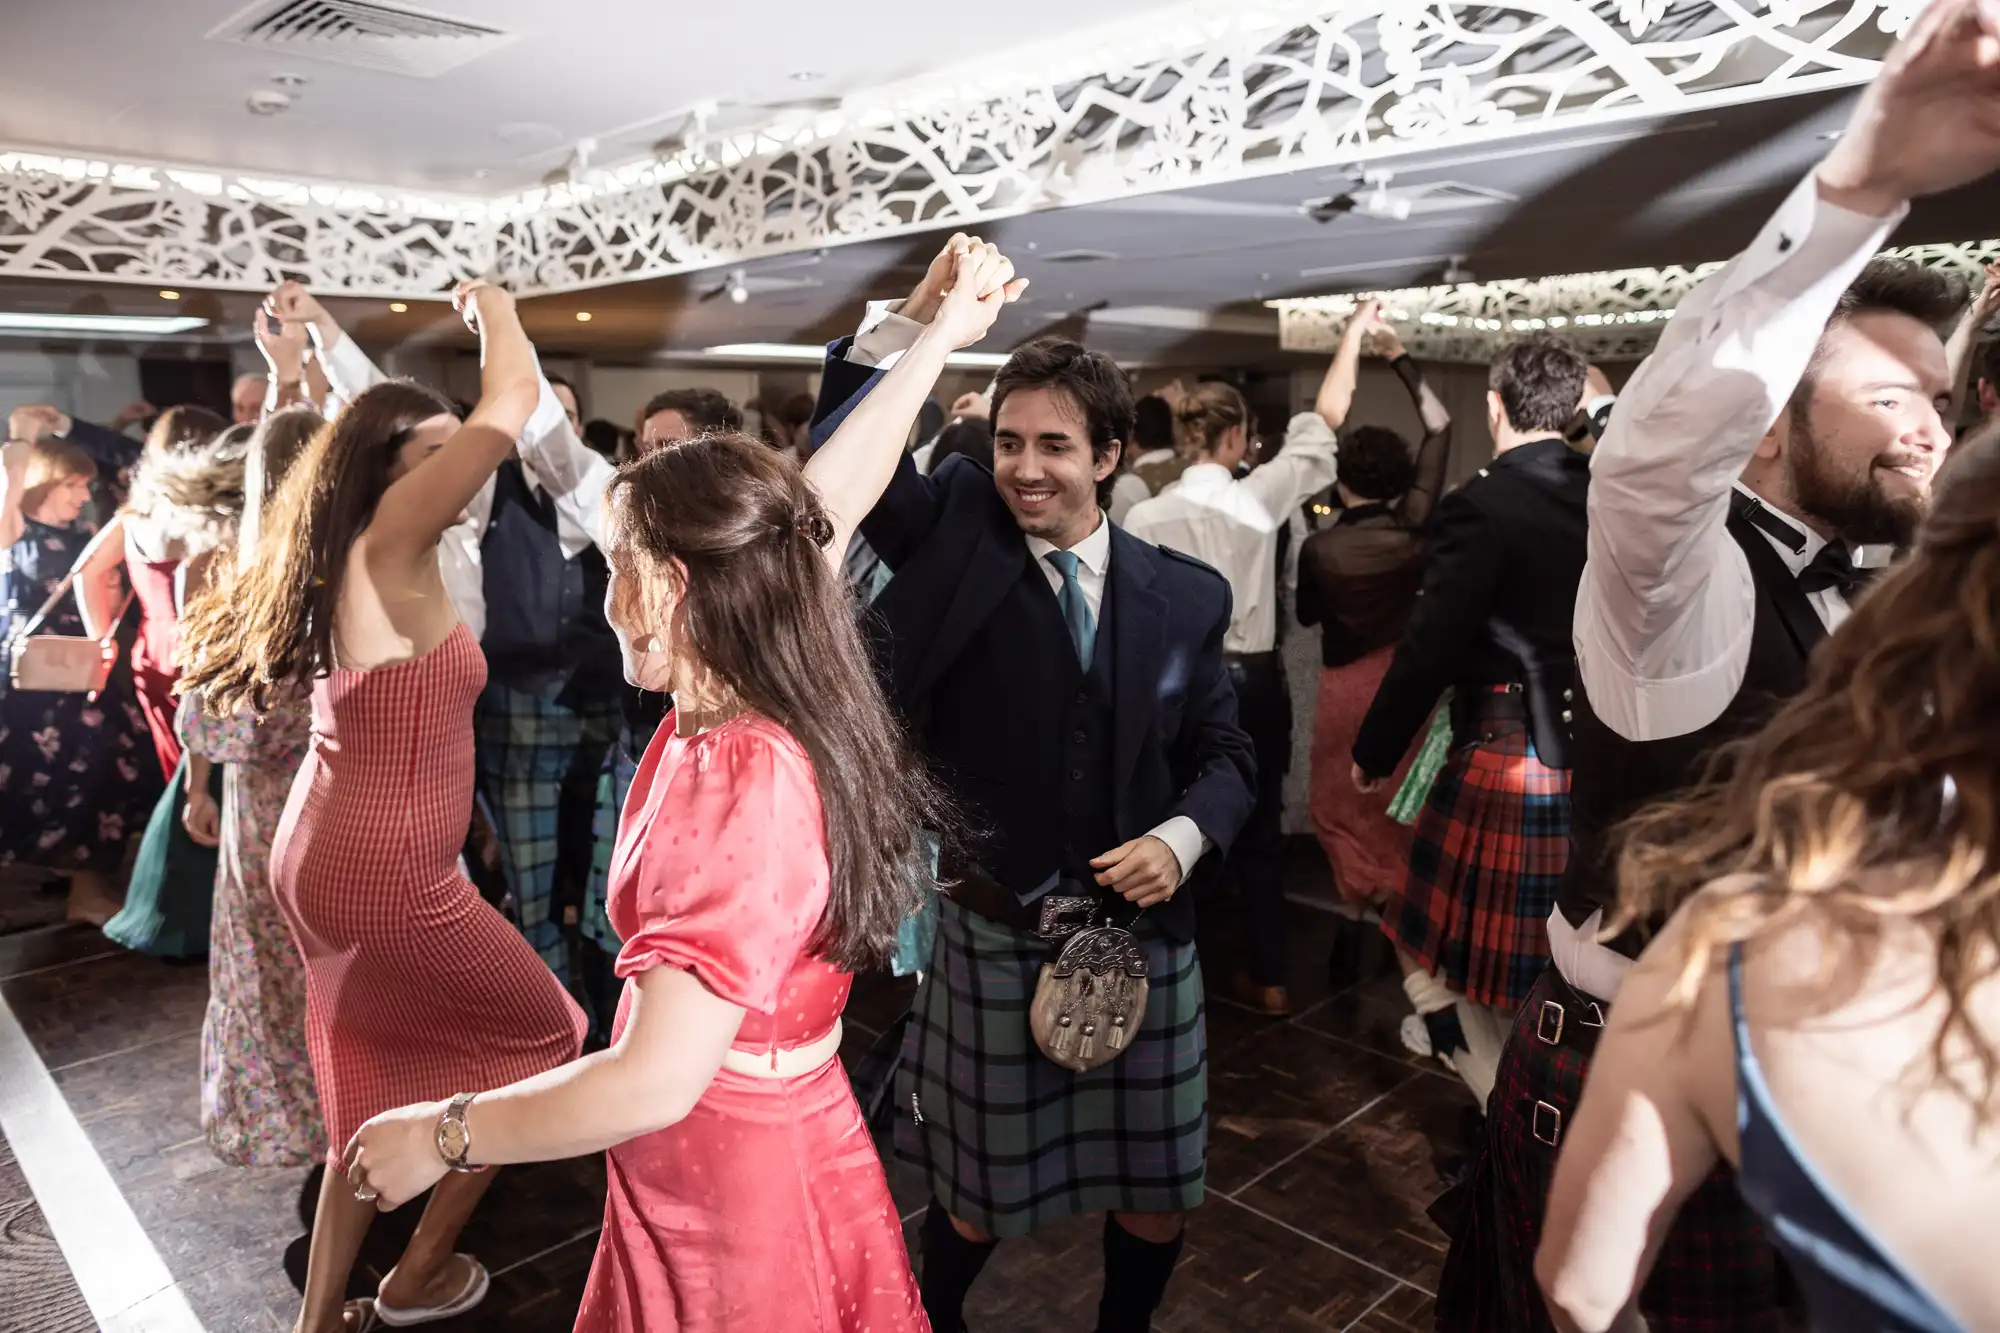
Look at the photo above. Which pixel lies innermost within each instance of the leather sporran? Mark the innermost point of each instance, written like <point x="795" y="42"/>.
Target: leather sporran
<point x="1090" y="1001"/>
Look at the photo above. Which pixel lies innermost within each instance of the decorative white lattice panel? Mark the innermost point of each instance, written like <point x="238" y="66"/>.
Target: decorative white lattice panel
<point x="1208" y="93"/>
<point x="1611" y="316"/>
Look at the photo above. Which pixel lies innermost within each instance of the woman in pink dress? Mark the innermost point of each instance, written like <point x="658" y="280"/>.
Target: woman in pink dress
<point x="769" y="846"/>
<point x="414" y="986"/>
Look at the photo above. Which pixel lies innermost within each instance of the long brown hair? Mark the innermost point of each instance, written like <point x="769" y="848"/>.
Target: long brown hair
<point x="1874" y="796"/>
<point x="269" y="625"/>
<point x="762" y="610"/>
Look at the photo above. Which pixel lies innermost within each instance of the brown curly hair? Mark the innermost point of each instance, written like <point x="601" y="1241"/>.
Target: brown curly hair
<point x="1872" y="797"/>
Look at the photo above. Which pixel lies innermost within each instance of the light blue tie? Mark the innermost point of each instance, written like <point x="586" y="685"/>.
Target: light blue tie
<point x="1075" y="609"/>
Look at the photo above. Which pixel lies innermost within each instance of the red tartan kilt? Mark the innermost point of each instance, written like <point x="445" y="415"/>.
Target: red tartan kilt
<point x="1486" y="856"/>
<point x="1716" y="1273"/>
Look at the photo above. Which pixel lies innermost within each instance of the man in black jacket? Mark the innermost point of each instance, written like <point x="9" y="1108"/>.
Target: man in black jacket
<point x="1504" y="554"/>
<point x="1067" y="682"/>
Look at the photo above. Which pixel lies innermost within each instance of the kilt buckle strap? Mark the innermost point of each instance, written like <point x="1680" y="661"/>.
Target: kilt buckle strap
<point x="1549" y="1023"/>
<point x="1548" y="1126"/>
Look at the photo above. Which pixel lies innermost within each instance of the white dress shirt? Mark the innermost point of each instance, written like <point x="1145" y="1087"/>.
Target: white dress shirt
<point x="1666" y="607"/>
<point x="1182" y="835"/>
<point x="555" y="460"/>
<point x="1233" y="523"/>
<point x="1127" y="493"/>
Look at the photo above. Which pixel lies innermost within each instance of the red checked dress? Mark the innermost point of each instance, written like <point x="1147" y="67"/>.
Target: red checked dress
<point x="415" y="988"/>
<point x="765" y="1210"/>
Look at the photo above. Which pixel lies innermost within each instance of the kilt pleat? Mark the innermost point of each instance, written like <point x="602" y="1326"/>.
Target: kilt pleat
<point x="1010" y="1141"/>
<point x="1716" y="1272"/>
<point x="1486" y="855"/>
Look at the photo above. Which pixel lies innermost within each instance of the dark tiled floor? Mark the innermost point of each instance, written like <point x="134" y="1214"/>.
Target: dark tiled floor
<point x="1326" y="1147"/>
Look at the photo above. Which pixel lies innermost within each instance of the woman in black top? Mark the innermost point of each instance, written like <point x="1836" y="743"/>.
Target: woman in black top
<point x="1358" y="579"/>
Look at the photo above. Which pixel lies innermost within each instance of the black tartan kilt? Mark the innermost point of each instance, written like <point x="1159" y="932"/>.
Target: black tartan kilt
<point x="1716" y="1273"/>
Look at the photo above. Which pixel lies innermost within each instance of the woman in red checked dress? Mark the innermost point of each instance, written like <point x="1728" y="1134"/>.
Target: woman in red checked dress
<point x="770" y="845"/>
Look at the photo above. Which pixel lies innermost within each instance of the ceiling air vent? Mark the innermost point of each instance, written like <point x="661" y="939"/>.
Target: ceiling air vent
<point x="356" y="32"/>
<point x="1076" y="257"/>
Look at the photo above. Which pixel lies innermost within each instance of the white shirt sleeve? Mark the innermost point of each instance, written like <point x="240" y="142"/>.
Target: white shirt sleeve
<point x="1185" y="840"/>
<point x="349" y="372"/>
<point x="459" y="562"/>
<point x="1664" y="613"/>
<point x="575" y="475"/>
<point x="885" y="334"/>
<point x="1305" y="466"/>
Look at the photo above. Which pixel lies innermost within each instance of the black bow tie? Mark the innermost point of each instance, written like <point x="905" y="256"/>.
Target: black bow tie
<point x="1833" y="567"/>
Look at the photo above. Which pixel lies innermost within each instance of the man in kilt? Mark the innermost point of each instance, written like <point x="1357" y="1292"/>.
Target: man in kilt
<point x="1067" y="682"/>
<point x="1503" y="554"/>
<point x="1789" y="415"/>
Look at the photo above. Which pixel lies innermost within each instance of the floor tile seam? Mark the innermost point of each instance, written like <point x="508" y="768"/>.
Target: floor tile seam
<point x="123" y="1278"/>
<point x="1325" y="1244"/>
<point x="587" y="1234"/>
<point x="1374" y="1305"/>
<point x="1321" y="1137"/>
<point x="57" y="967"/>
<point x="125" y="1050"/>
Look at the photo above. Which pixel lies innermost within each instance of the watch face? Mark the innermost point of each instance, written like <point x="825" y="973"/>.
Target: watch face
<point x="451" y="1138"/>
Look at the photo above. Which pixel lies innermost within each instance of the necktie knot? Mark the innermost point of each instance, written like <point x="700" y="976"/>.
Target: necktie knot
<point x="1065" y="563"/>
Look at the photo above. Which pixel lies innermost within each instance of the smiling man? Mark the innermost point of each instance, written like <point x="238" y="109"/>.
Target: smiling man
<point x="1066" y="681"/>
<point x="1790" y="415"/>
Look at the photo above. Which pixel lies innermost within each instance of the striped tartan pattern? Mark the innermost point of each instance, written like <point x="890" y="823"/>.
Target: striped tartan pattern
<point x="1717" y="1272"/>
<point x="525" y="744"/>
<point x="1011" y="1141"/>
<point x="1486" y="855"/>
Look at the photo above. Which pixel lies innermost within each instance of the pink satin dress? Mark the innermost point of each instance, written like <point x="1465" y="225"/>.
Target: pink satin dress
<point x="766" y="1209"/>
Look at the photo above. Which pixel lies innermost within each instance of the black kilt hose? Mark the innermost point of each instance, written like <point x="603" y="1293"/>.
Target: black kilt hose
<point x="1009" y="1140"/>
<point x="1716" y="1272"/>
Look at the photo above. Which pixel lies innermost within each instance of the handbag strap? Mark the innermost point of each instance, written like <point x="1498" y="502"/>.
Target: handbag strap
<point x="61" y="588"/>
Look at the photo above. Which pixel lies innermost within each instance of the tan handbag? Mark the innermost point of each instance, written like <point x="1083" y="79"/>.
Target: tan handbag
<point x="63" y="663"/>
<point x="1090" y="1001"/>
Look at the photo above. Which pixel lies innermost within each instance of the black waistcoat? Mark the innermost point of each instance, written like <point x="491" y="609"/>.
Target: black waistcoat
<point x="1611" y="777"/>
<point x="1039" y="805"/>
<point x="545" y="625"/>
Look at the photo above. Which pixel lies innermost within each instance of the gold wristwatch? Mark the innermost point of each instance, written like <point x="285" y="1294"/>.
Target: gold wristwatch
<point x="454" y="1139"/>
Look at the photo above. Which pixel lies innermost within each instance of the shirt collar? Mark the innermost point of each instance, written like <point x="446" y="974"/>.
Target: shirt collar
<point x="1206" y="477"/>
<point x="1093" y="552"/>
<point x="1794" y="560"/>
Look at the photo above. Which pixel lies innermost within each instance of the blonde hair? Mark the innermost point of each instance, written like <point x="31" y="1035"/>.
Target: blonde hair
<point x="1205" y="414"/>
<point x="1871" y="798"/>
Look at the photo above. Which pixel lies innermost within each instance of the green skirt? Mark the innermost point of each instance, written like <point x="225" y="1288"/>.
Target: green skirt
<point x="167" y="904"/>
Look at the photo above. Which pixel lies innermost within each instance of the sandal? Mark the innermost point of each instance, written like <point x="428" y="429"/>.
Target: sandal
<point x="473" y="1293"/>
<point x="364" y="1316"/>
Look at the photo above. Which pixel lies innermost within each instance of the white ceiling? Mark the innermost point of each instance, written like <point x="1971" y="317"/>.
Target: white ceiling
<point x="139" y="78"/>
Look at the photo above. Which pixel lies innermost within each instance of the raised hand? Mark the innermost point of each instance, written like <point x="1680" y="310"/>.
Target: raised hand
<point x="1366" y="318"/>
<point x="970" y="405"/>
<point x="35" y="420"/>
<point x="477" y="299"/>
<point x="283" y="345"/>
<point x="1988" y="300"/>
<point x="138" y="410"/>
<point x="1931" y="118"/>
<point x="924" y="299"/>
<point x="982" y="281"/>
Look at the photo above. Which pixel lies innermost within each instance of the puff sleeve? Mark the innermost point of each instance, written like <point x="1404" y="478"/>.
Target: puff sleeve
<point x="731" y="875"/>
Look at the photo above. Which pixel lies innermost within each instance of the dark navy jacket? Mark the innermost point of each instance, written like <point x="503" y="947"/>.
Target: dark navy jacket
<point x="954" y="628"/>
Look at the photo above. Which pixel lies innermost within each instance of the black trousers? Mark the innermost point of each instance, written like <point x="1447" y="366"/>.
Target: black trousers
<point x="1256" y="862"/>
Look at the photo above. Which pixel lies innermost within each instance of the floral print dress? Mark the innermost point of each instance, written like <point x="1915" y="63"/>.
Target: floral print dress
<point x="77" y="775"/>
<point x="258" y="1106"/>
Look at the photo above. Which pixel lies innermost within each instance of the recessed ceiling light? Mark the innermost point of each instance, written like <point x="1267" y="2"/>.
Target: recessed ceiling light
<point x="290" y="80"/>
<point x="583" y="317"/>
<point x="805" y="76"/>
<point x="16" y="321"/>
<point x="168" y="294"/>
<point x="398" y="307"/>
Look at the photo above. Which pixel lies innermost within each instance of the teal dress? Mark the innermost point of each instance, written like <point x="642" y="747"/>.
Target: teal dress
<point x="167" y="904"/>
